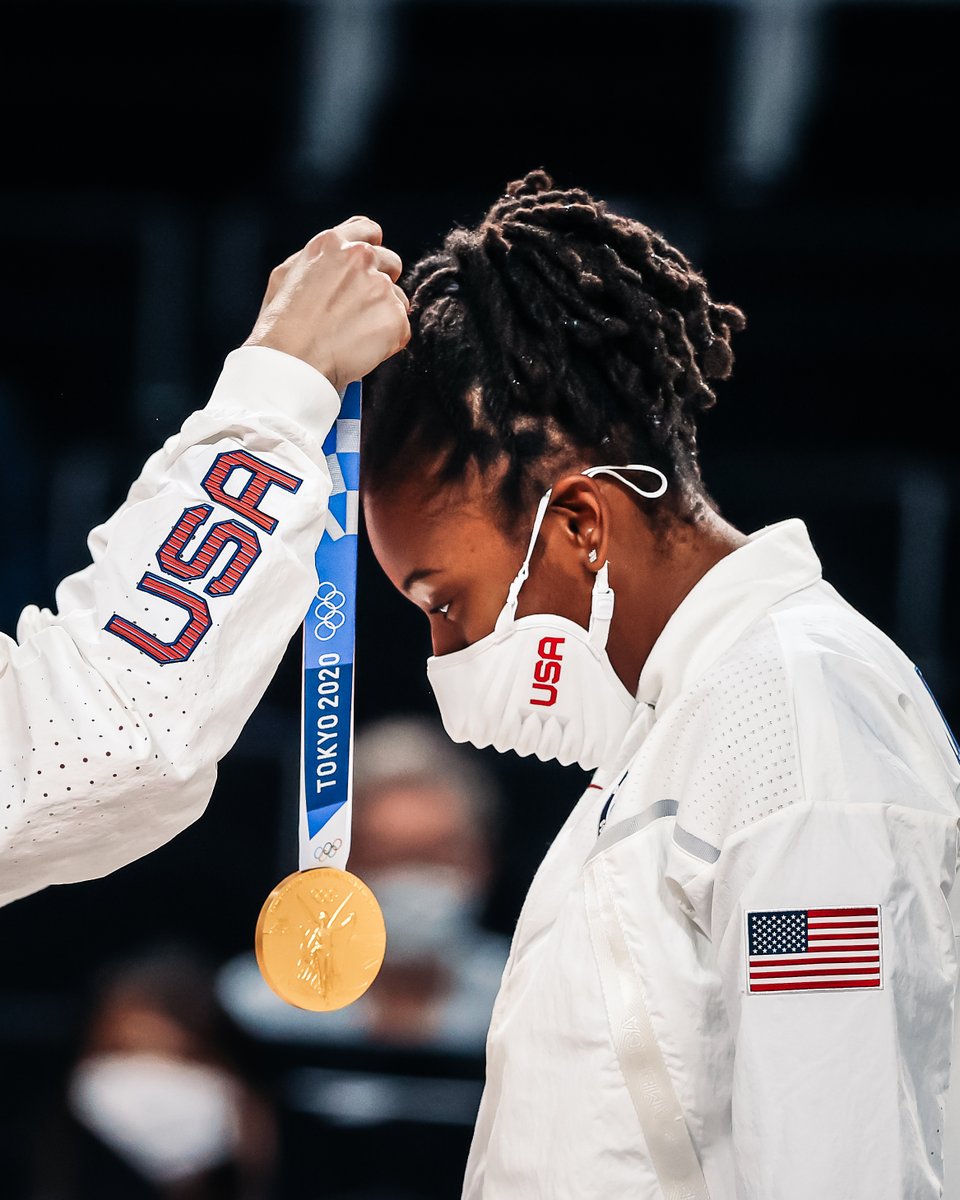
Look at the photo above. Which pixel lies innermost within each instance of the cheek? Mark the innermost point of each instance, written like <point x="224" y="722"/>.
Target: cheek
<point x="476" y="604"/>
<point x="482" y="565"/>
<point x="557" y="587"/>
<point x="482" y="605"/>
<point x="475" y="562"/>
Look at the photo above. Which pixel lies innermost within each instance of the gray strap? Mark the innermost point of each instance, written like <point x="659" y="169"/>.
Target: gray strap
<point x="631" y="825"/>
<point x="665" y="1131"/>
<point x="696" y="846"/>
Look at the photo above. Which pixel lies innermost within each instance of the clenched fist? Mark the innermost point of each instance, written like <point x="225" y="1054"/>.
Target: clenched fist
<point x="336" y="303"/>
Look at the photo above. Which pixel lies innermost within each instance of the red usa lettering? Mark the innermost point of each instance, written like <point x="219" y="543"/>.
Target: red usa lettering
<point x="546" y="671"/>
<point x="172" y="554"/>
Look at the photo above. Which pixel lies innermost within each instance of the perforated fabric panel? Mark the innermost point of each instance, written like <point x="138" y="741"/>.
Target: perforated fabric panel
<point x="84" y="749"/>
<point x="730" y="744"/>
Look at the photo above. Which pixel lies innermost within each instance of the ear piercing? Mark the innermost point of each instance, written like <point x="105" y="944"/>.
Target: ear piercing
<point x="592" y="556"/>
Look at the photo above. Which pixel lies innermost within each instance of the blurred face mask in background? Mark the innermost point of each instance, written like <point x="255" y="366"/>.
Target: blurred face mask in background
<point x="166" y="1118"/>
<point x="428" y="910"/>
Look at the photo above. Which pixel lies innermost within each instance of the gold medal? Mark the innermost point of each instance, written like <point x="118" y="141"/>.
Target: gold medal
<point x="320" y="939"/>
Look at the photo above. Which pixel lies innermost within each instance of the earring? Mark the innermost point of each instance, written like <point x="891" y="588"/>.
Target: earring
<point x="592" y="556"/>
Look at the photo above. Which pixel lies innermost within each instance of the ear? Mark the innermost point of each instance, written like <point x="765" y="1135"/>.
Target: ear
<point x="580" y="517"/>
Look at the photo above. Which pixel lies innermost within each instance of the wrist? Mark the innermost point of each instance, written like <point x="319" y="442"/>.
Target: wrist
<point x="261" y="378"/>
<point x="314" y="358"/>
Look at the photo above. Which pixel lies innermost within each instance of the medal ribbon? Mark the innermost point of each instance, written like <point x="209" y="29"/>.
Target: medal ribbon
<point x="326" y="777"/>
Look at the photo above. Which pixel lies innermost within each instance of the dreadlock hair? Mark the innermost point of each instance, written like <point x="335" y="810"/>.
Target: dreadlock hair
<point x="553" y="331"/>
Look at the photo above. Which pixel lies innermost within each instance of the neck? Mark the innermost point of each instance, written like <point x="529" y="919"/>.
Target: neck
<point x="662" y="570"/>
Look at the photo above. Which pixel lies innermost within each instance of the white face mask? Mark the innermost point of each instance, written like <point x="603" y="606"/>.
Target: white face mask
<point x="168" y="1119"/>
<point x="541" y="684"/>
<point x="427" y="909"/>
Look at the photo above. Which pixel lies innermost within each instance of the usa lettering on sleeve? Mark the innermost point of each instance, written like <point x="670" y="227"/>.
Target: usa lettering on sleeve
<point x="180" y="557"/>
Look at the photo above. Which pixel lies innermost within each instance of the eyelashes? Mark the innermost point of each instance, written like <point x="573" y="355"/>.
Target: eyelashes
<point x="442" y="608"/>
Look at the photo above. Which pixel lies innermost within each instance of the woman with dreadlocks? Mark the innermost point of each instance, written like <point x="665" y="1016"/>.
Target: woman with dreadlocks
<point x="734" y="974"/>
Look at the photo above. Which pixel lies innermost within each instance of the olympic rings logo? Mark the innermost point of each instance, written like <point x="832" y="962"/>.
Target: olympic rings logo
<point x="329" y="611"/>
<point x="328" y="849"/>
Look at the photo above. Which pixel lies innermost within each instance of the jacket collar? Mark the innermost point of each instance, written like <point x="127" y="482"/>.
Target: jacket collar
<point x="777" y="561"/>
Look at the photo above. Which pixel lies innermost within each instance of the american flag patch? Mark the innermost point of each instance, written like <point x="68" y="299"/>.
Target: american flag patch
<point x="813" y="949"/>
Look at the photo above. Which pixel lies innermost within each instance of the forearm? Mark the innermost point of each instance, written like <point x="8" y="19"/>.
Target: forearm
<point x="116" y="709"/>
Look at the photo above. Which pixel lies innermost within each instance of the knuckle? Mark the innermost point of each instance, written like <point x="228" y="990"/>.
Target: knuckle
<point x="390" y="264"/>
<point x="362" y="253"/>
<point x="322" y="240"/>
<point x="373" y="225"/>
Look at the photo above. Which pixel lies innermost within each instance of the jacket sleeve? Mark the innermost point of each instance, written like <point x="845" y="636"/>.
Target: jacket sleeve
<point x="816" y="848"/>
<point x="115" y="710"/>
<point x="837" y="954"/>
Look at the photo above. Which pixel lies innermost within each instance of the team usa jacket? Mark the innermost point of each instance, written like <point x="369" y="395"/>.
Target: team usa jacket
<point x="734" y="975"/>
<point x="115" y="710"/>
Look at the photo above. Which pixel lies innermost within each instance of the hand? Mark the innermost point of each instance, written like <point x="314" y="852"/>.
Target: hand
<point x="336" y="303"/>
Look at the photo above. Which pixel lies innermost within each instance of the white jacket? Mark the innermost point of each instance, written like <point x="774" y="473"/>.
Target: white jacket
<point x="668" y="1025"/>
<point x="110" y="737"/>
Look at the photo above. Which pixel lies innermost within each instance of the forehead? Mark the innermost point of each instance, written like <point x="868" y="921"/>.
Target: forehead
<point x="420" y="522"/>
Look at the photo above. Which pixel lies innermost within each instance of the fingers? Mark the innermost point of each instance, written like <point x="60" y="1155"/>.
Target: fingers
<point x="388" y="261"/>
<point x="377" y="258"/>
<point x="336" y="303"/>
<point x="361" y="229"/>
<point x="402" y="297"/>
<point x="403" y="325"/>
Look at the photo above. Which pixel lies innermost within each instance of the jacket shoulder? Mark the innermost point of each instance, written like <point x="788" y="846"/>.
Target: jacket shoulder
<point x="812" y="703"/>
<point x="726" y="749"/>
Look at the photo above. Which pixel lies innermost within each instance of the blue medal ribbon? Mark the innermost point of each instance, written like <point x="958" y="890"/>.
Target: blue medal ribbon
<point x="326" y="784"/>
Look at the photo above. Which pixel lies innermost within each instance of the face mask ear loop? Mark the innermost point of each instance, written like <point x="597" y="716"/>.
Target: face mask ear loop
<point x="601" y="608"/>
<point x="615" y="472"/>
<point x="508" y="612"/>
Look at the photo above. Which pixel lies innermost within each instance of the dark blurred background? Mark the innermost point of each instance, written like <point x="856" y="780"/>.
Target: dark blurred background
<point x="158" y="158"/>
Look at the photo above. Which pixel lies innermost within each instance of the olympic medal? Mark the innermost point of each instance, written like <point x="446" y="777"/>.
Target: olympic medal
<point x="320" y="939"/>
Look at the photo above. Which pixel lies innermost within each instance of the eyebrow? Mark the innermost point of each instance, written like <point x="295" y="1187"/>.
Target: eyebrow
<point x="416" y="576"/>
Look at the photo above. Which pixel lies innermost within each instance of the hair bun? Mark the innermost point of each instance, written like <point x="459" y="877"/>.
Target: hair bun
<point x="532" y="184"/>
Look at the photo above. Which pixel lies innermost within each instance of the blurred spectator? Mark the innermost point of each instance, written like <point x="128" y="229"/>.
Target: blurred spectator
<point x="155" y="1106"/>
<point x="423" y="829"/>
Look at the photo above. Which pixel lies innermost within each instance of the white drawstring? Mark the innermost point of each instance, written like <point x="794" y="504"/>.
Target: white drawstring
<point x="614" y="471"/>
<point x="510" y="607"/>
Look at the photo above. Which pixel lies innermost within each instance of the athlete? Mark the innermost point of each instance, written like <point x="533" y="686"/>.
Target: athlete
<point x="735" y="971"/>
<point x="115" y="710"/>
